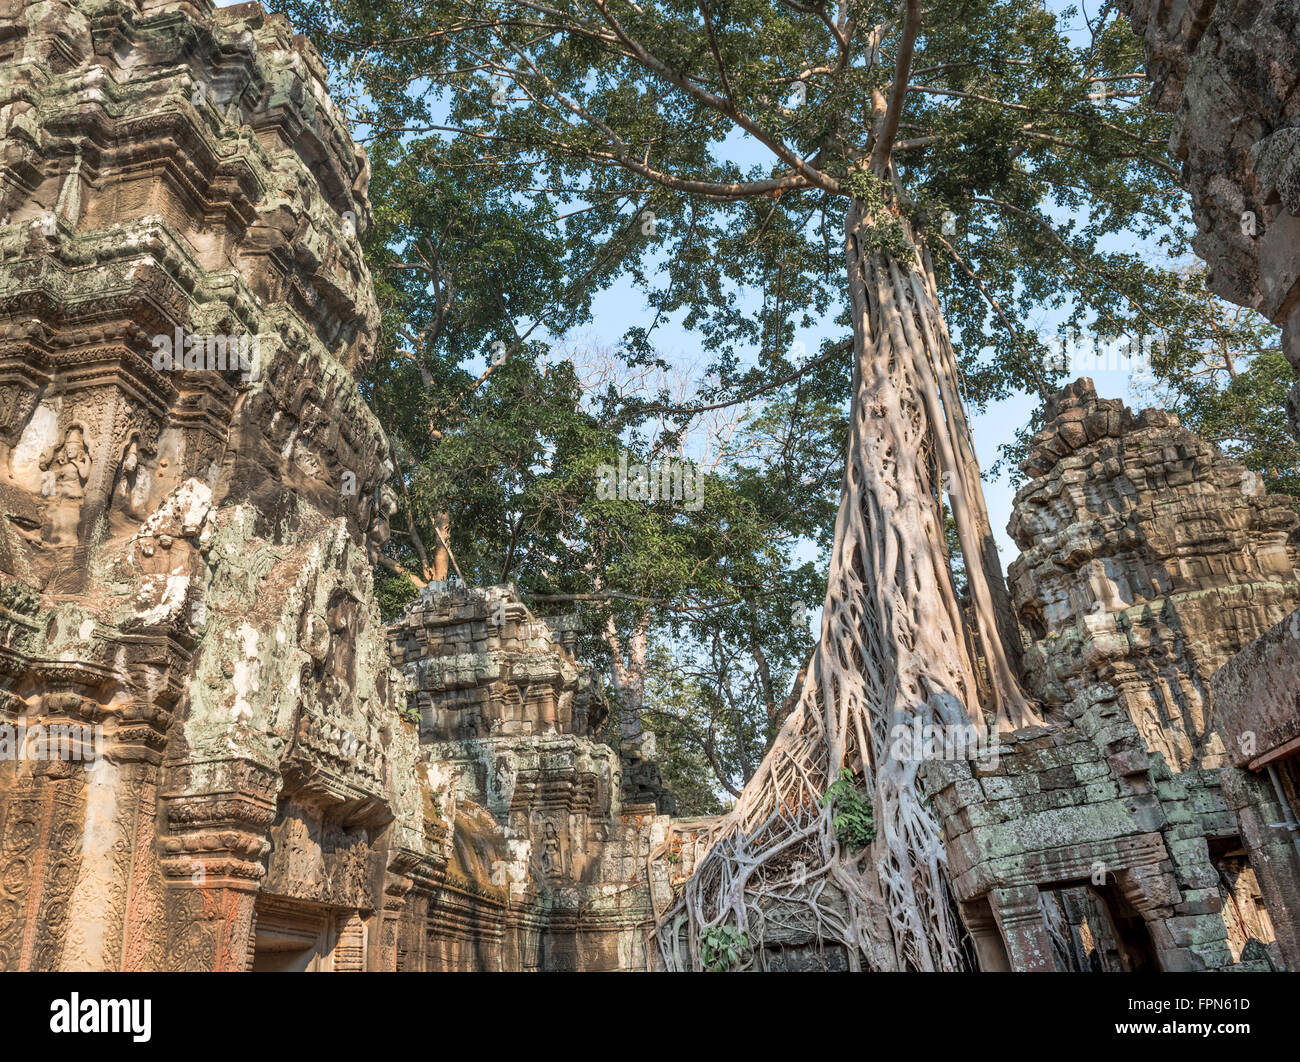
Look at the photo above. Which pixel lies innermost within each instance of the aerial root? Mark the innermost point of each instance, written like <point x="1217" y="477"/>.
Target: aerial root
<point x="891" y="652"/>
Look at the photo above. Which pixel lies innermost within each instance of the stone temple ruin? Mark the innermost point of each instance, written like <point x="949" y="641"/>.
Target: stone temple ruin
<point x="192" y="492"/>
<point x="1118" y="837"/>
<point x="547" y="860"/>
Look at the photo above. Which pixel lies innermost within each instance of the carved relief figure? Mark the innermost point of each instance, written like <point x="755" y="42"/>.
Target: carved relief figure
<point x="67" y="467"/>
<point x="343" y="613"/>
<point x="131" y="492"/>
<point x="551" y="851"/>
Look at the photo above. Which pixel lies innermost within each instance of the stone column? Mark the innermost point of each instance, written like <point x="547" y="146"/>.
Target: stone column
<point x="982" y="926"/>
<point x="1024" y="929"/>
<point x="218" y="816"/>
<point x="350" y="949"/>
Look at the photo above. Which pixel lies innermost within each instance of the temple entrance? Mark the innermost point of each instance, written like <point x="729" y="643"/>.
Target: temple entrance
<point x="1094" y="929"/>
<point x="1250" y="929"/>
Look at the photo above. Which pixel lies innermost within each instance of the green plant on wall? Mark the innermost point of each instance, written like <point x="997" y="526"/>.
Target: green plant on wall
<point x="854" y="820"/>
<point x="721" y="947"/>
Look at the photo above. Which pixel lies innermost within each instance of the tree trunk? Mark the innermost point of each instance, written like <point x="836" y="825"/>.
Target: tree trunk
<point x="628" y="677"/>
<point x="892" y="652"/>
<point x="442" y="553"/>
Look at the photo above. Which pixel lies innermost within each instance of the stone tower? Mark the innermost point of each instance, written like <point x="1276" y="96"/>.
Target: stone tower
<point x="549" y="863"/>
<point x="208" y="760"/>
<point x="1149" y="560"/>
<point x="1227" y="71"/>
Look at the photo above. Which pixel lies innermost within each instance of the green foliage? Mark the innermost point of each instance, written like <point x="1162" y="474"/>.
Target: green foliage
<point x="887" y="235"/>
<point x="854" y="820"/>
<point x="1228" y="382"/>
<point x="394" y="591"/>
<point x="1003" y="125"/>
<point x="1246" y="417"/>
<point x="410" y="712"/>
<point x="1038" y="145"/>
<point x="722" y="947"/>
<point x="706" y="744"/>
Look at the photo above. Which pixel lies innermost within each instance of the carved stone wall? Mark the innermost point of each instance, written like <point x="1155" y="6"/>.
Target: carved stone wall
<point x="1080" y="815"/>
<point x="1258" y="692"/>
<point x="1148" y="562"/>
<point x="191" y="495"/>
<point x="1258" y="697"/>
<point x="188" y="482"/>
<point x="192" y="491"/>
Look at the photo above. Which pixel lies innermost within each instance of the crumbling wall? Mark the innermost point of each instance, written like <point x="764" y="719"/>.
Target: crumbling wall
<point x="1258" y="697"/>
<point x="1080" y="809"/>
<point x="185" y="550"/>
<point x="548" y="857"/>
<point x="1149" y="560"/>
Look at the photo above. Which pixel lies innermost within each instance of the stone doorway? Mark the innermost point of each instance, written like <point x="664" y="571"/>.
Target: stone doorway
<point x="291" y="937"/>
<point x="1071" y="926"/>
<point x="1136" y="949"/>
<point x="1093" y="930"/>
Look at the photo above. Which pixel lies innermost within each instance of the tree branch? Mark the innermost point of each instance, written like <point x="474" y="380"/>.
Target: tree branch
<point x="898" y="94"/>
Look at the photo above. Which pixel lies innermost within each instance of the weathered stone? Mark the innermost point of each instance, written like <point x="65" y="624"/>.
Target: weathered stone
<point x="507" y="738"/>
<point x="1147" y="563"/>
<point x="1228" y="70"/>
<point x="185" y="543"/>
<point x="186" y="598"/>
<point x="1258" y="693"/>
<point x="1144" y="580"/>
